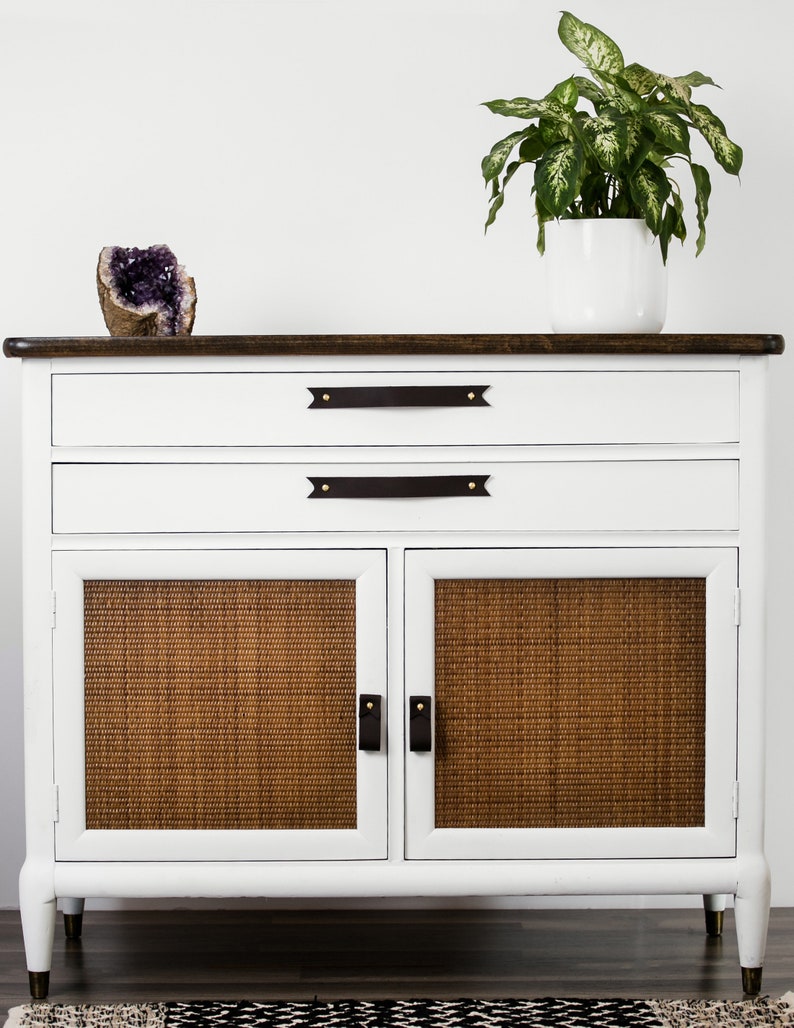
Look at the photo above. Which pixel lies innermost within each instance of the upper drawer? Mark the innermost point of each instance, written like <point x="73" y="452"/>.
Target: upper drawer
<point x="275" y="409"/>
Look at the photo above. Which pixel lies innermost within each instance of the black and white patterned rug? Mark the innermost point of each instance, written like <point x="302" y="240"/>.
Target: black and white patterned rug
<point x="464" y="1013"/>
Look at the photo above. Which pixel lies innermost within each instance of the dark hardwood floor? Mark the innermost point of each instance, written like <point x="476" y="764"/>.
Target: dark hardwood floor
<point x="371" y="954"/>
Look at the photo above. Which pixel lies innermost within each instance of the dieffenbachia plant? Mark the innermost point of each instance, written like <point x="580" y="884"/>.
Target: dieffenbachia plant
<point x="614" y="162"/>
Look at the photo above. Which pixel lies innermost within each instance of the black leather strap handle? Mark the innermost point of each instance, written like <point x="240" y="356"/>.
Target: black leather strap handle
<point x="369" y="713"/>
<point x="398" y="487"/>
<point x="420" y="731"/>
<point x="338" y="397"/>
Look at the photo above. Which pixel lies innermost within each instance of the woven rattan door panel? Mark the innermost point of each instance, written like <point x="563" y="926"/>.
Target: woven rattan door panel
<point x="570" y="703"/>
<point x="221" y="707"/>
<point x="218" y="705"/>
<point x="574" y="710"/>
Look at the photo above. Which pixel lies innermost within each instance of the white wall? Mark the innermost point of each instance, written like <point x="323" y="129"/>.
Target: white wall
<point x="315" y="165"/>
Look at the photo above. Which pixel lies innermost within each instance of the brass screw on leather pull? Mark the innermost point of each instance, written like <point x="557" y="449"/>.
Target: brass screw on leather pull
<point x="326" y="487"/>
<point x="370" y="705"/>
<point x="326" y="397"/>
<point x="420" y="706"/>
<point x="472" y="485"/>
<point x="472" y="396"/>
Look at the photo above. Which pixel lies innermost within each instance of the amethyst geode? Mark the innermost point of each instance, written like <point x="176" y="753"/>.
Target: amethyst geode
<point x="145" y="292"/>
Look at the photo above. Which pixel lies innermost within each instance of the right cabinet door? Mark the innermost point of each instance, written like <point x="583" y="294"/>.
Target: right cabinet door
<point x="580" y="703"/>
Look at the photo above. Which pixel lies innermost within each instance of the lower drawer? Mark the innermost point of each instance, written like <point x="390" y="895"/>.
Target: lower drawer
<point x="526" y="496"/>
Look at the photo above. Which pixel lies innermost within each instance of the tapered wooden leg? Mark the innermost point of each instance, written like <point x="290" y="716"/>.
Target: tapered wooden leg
<point x="752" y="921"/>
<point x="73" y="917"/>
<point x="714" y="907"/>
<point x="37" y="910"/>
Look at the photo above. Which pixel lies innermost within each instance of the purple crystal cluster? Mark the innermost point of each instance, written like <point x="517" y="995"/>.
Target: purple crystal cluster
<point x="145" y="291"/>
<point x="148" y="278"/>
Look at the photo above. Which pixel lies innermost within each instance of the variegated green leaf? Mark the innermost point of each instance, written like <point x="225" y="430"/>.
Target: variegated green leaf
<point x="493" y="164"/>
<point x="511" y="169"/>
<point x="697" y="78"/>
<point x="641" y="80"/>
<point x="679" y="230"/>
<point x="557" y="176"/>
<point x="496" y="204"/>
<point x="566" y="93"/>
<point x="541" y="242"/>
<point x="669" y="129"/>
<point x="590" y="91"/>
<point x="544" y="217"/>
<point x="665" y="233"/>
<point x="619" y="94"/>
<point x="672" y="224"/>
<point x="523" y="107"/>
<point x="640" y="147"/>
<point x="675" y="88"/>
<point x="726" y="153"/>
<point x="608" y="138"/>
<point x="593" y="47"/>
<point x="637" y="141"/>
<point x="532" y="146"/>
<point x="622" y="207"/>
<point x="702" y="193"/>
<point x="595" y="194"/>
<point x="554" y="131"/>
<point x="649" y="190"/>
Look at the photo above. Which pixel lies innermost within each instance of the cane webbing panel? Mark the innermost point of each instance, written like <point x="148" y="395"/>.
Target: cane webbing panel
<point x="565" y="703"/>
<point x="220" y="704"/>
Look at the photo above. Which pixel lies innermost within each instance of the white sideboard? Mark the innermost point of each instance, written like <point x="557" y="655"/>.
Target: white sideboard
<point x="394" y="616"/>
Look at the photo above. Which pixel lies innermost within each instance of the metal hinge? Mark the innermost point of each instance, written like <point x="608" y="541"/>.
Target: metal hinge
<point x="737" y="606"/>
<point x="56" y="808"/>
<point x="52" y="609"/>
<point x="735" y="800"/>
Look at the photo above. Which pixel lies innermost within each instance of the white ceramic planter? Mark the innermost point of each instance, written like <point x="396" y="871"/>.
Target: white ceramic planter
<point x="604" y="275"/>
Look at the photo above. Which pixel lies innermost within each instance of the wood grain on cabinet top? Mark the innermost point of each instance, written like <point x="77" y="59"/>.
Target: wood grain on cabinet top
<point x="388" y="345"/>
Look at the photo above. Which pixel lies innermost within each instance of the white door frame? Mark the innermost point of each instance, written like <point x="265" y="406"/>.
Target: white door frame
<point x="75" y="842"/>
<point x="717" y="838"/>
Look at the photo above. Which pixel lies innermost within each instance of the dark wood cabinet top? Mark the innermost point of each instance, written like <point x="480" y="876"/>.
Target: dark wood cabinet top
<point x="388" y="345"/>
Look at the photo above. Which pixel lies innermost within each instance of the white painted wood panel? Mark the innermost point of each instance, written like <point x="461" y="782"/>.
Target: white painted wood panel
<point x="533" y="496"/>
<point x="74" y="842"/>
<point x="215" y="409"/>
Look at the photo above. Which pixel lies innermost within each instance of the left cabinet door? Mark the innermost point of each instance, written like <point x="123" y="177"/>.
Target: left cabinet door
<point x="206" y="704"/>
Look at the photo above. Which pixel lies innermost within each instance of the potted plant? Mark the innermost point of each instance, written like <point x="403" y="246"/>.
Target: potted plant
<point x="611" y="166"/>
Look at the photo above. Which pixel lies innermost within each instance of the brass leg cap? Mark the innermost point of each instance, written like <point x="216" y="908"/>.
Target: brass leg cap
<point x="39" y="984"/>
<point x="751" y="980"/>
<point x="714" y="920"/>
<point x="73" y="925"/>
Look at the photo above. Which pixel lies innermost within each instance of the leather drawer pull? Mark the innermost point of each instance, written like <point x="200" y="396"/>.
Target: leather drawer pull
<point x="369" y="722"/>
<point x="420" y="732"/>
<point x="395" y="487"/>
<point x="338" y="397"/>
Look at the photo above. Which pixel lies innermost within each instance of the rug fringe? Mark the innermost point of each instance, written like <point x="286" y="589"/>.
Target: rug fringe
<point x="89" y="1015"/>
<point x="710" y="1013"/>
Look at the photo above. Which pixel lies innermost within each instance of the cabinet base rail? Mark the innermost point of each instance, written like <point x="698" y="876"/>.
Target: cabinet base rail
<point x="410" y="878"/>
<point x="747" y="879"/>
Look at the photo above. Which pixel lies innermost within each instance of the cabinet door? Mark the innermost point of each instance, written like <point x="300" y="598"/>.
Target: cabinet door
<point x="206" y="704"/>
<point x="583" y="702"/>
